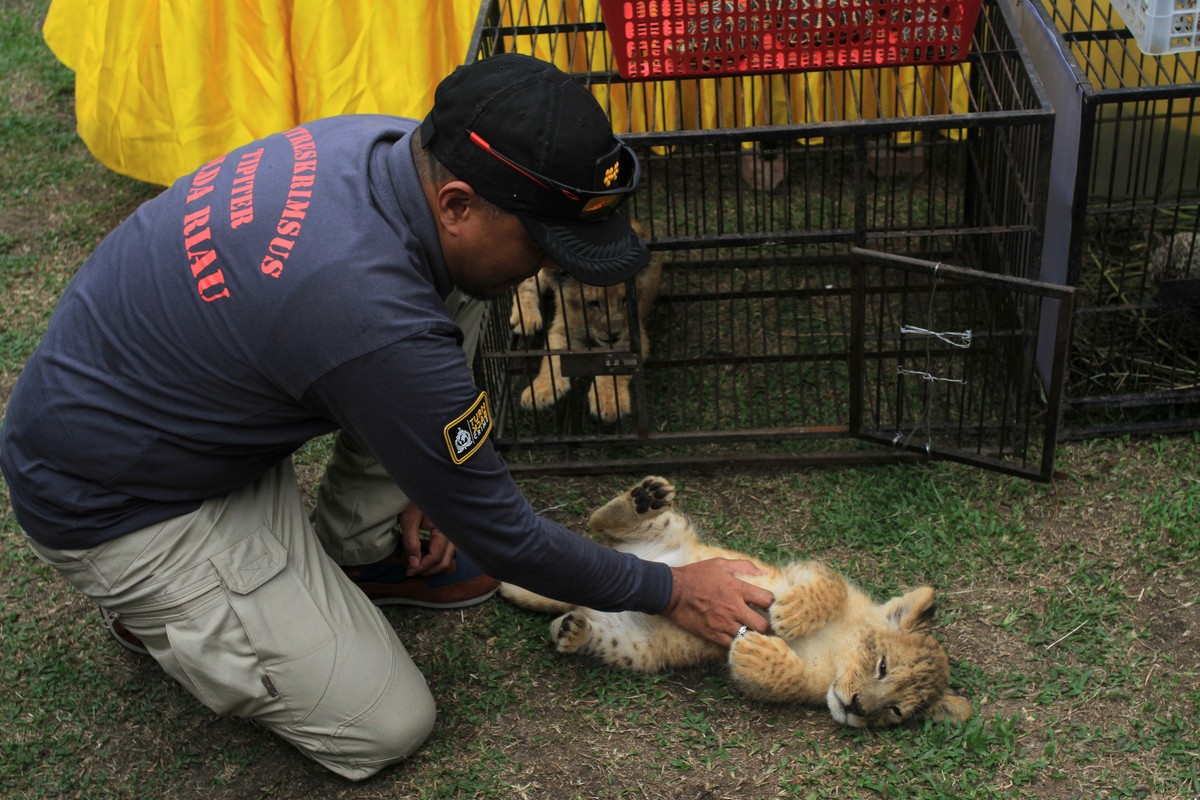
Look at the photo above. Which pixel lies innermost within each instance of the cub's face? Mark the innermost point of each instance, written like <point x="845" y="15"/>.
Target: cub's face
<point x="596" y="314"/>
<point x="894" y="677"/>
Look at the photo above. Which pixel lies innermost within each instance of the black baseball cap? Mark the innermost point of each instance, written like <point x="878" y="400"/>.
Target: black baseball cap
<point x="534" y="142"/>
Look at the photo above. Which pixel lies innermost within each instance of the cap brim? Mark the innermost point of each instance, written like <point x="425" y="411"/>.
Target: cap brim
<point x="600" y="253"/>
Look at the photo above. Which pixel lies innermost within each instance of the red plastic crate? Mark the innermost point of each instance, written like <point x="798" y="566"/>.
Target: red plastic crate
<point x="654" y="39"/>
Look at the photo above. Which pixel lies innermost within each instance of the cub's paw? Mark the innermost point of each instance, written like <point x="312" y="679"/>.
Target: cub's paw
<point x="525" y="318"/>
<point x="816" y="596"/>
<point x="757" y="661"/>
<point x="755" y="652"/>
<point x="524" y="323"/>
<point x="653" y="494"/>
<point x="624" y="516"/>
<point x="790" y="618"/>
<point x="608" y="400"/>
<point x="543" y="394"/>
<point x="570" y="632"/>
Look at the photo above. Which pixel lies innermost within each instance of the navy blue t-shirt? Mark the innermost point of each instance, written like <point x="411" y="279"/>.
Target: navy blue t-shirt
<point x="290" y="288"/>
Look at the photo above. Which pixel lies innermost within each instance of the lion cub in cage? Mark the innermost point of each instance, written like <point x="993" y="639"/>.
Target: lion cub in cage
<point x="872" y="665"/>
<point x="584" y="318"/>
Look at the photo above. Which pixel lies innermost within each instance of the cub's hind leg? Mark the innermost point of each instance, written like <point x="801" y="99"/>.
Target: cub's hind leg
<point x="630" y="640"/>
<point x="629" y="510"/>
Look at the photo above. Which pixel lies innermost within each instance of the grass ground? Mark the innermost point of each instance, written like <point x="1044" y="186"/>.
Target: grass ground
<point x="1069" y="610"/>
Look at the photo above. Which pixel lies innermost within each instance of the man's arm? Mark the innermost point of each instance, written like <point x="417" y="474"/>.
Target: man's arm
<point x="403" y="403"/>
<point x="400" y="402"/>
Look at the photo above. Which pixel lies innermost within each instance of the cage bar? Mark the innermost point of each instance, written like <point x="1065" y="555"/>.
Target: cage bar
<point x="1124" y="211"/>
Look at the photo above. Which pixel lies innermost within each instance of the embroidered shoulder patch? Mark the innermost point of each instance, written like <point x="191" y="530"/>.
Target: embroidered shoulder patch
<point x="466" y="434"/>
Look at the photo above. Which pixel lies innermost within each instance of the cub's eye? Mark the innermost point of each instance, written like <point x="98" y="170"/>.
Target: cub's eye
<point x="593" y="303"/>
<point x="896" y="712"/>
<point x="881" y="670"/>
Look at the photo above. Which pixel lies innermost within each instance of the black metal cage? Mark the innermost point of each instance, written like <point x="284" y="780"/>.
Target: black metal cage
<point x="755" y="192"/>
<point x="1124" y="212"/>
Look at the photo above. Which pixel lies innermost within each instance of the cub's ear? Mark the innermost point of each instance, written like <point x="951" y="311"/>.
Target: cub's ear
<point x="912" y="612"/>
<point x="950" y="706"/>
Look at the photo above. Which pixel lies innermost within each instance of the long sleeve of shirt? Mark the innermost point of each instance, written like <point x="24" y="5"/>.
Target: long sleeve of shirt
<point x="401" y="401"/>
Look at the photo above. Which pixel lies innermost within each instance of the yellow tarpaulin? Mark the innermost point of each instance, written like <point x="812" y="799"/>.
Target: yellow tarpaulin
<point x="162" y="87"/>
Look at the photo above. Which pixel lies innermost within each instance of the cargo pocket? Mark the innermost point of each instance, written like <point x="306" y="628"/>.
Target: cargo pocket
<point x="262" y="643"/>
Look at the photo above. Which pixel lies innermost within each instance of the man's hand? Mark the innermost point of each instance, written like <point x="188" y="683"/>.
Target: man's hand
<point x="437" y="557"/>
<point x="709" y="601"/>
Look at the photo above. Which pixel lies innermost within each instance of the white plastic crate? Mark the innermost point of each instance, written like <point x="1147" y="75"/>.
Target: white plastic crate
<point x="1162" y="26"/>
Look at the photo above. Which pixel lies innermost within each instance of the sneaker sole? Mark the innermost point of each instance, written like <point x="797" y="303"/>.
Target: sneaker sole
<point x="405" y="601"/>
<point x="109" y="621"/>
<point x="130" y="646"/>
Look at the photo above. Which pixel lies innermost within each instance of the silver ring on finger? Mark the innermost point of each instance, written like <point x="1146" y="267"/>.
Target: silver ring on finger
<point x="741" y="632"/>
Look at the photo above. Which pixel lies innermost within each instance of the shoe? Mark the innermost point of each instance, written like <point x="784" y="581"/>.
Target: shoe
<point x="124" y="637"/>
<point x="386" y="583"/>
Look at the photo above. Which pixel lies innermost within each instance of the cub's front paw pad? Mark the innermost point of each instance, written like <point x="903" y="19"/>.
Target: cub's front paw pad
<point x="652" y="494"/>
<point x="570" y="632"/>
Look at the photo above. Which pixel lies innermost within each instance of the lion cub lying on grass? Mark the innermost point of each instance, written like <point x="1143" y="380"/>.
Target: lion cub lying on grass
<point x="872" y="665"/>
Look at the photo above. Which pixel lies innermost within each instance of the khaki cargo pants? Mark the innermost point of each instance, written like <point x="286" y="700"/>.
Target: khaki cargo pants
<point x="243" y="603"/>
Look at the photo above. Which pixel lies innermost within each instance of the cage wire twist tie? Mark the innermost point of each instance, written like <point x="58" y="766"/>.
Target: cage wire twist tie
<point x="958" y="339"/>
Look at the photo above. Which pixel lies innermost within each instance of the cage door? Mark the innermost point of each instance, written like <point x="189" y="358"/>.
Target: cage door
<point x="945" y="360"/>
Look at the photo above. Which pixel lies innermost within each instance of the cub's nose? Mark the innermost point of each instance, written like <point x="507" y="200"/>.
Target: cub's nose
<point x="853" y="707"/>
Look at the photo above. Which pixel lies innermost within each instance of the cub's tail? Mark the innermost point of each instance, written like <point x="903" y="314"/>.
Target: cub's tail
<point x="534" y="602"/>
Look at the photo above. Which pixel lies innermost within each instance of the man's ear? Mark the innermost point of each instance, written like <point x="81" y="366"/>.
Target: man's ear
<point x="453" y="205"/>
